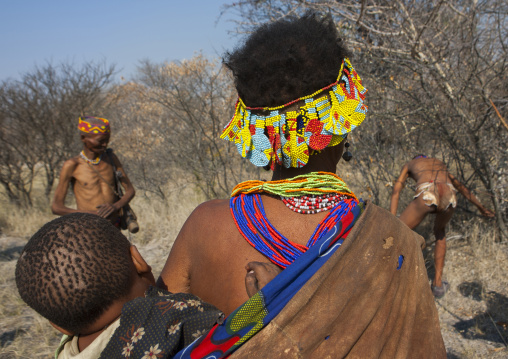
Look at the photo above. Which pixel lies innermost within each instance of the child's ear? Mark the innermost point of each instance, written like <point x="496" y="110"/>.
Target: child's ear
<point x="61" y="330"/>
<point x="143" y="269"/>
<point x="139" y="262"/>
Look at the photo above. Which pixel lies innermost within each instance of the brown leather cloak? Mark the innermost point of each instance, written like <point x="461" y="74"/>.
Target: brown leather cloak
<point x="359" y="305"/>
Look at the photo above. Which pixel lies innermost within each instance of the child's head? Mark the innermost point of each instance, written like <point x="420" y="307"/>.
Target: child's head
<point x="74" y="268"/>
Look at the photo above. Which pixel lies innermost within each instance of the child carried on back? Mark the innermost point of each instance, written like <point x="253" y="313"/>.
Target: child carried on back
<point x="82" y="274"/>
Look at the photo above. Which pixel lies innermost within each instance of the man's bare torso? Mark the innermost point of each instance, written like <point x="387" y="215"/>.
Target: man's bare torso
<point x="428" y="170"/>
<point x="209" y="256"/>
<point x="89" y="188"/>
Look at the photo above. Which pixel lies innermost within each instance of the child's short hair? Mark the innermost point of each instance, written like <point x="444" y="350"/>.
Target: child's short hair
<point x="73" y="269"/>
<point x="287" y="59"/>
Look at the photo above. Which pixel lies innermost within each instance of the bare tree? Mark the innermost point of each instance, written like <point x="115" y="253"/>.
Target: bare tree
<point x="197" y="98"/>
<point x="432" y="68"/>
<point x="39" y="114"/>
<point x="137" y="139"/>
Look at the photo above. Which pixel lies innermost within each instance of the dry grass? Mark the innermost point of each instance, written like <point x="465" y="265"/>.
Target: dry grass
<point x="18" y="222"/>
<point x="160" y="223"/>
<point x="24" y="333"/>
<point x="472" y="314"/>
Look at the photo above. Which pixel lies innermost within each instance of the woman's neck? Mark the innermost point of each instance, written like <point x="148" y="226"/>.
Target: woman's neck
<point x="322" y="161"/>
<point x="281" y="172"/>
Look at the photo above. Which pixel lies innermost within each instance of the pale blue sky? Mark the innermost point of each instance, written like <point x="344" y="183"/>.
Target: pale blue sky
<point x="35" y="32"/>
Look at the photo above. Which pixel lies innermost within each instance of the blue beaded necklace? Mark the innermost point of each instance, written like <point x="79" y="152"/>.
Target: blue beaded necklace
<point x="250" y="218"/>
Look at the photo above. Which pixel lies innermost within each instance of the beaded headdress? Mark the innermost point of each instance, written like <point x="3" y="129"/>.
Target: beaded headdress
<point x="93" y="125"/>
<point x="266" y="136"/>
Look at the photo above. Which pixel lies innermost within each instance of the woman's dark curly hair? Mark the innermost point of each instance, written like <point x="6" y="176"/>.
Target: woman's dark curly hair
<point x="287" y="59"/>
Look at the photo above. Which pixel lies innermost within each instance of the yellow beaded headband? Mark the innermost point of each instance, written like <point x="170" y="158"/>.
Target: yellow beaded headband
<point x="322" y="120"/>
<point x="86" y="126"/>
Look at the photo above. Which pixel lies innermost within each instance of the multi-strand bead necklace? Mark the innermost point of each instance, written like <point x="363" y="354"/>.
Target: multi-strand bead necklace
<point x="250" y="217"/>
<point x="306" y="194"/>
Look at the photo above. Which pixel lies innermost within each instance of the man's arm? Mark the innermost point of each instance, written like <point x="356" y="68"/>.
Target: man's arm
<point x="469" y="196"/>
<point x="106" y="209"/>
<point x="58" y="206"/>
<point x="397" y="187"/>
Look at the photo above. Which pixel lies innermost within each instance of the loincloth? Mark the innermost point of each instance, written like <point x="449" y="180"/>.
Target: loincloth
<point x="439" y="194"/>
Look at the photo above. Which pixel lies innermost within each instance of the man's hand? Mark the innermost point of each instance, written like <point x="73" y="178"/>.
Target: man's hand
<point x="258" y="275"/>
<point x="487" y="213"/>
<point x="106" y="209"/>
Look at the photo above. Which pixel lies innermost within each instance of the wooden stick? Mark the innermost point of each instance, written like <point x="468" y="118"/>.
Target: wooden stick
<point x="500" y="117"/>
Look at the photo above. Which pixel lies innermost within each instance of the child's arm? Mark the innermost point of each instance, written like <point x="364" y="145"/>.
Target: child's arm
<point x="258" y="275"/>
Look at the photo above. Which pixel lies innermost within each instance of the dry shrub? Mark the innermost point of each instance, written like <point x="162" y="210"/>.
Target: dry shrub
<point x="22" y="222"/>
<point x="491" y="256"/>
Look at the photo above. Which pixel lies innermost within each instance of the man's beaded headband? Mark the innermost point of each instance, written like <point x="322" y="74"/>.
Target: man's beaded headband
<point x="322" y="120"/>
<point x="85" y="126"/>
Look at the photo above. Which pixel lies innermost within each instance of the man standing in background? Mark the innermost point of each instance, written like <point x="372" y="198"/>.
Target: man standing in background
<point x="91" y="175"/>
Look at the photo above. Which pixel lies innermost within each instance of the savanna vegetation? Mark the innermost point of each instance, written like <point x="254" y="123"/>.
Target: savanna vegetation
<point x="437" y="77"/>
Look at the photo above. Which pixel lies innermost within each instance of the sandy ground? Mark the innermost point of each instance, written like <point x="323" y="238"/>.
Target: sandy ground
<point x="473" y="314"/>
